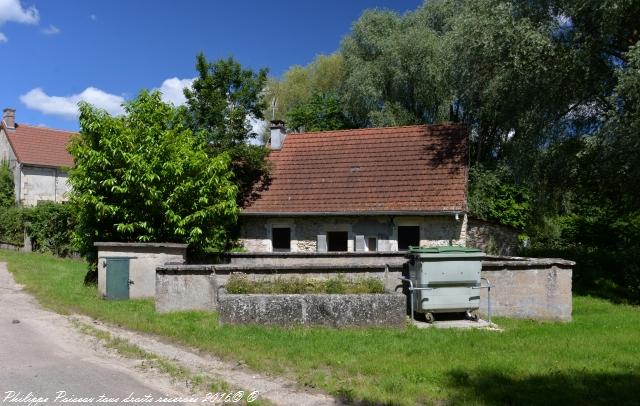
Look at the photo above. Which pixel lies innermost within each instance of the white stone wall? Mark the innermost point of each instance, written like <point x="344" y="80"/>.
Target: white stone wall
<point x="255" y="232"/>
<point x="142" y="266"/>
<point x="42" y="183"/>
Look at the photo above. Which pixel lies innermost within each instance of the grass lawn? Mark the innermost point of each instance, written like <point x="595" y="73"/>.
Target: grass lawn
<point x="593" y="360"/>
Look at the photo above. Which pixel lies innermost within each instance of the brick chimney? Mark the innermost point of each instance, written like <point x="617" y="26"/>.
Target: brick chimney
<point x="9" y="118"/>
<point x="278" y="134"/>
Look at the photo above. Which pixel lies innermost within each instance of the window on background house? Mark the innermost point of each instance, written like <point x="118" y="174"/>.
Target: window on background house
<point x="408" y="236"/>
<point x="337" y="241"/>
<point x="281" y="239"/>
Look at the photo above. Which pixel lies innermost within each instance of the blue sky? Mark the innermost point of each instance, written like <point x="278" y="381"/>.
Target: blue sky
<point x="56" y="52"/>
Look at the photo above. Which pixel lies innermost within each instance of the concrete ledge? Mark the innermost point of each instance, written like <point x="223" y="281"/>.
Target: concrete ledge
<point x="368" y="310"/>
<point x="140" y="244"/>
<point x="524" y="262"/>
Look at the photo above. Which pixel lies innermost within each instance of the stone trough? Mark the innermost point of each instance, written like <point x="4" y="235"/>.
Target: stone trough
<point x="334" y="310"/>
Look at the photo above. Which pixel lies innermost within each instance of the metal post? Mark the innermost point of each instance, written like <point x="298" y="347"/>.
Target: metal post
<point x="488" y="287"/>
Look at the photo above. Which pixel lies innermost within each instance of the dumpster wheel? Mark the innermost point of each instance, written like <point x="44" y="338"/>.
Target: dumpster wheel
<point x="429" y="317"/>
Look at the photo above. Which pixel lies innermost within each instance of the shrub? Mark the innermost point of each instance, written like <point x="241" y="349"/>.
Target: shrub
<point x="11" y="225"/>
<point x="51" y="227"/>
<point x="7" y="191"/>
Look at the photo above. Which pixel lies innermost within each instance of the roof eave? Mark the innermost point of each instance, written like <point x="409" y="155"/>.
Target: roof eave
<point x="63" y="166"/>
<point x="353" y="213"/>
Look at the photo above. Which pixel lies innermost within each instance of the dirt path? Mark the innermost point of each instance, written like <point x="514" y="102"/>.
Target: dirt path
<point x="278" y="390"/>
<point x="42" y="353"/>
<point x="45" y="353"/>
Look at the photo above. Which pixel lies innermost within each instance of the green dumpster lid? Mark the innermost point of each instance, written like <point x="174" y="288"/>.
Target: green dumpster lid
<point x="442" y="250"/>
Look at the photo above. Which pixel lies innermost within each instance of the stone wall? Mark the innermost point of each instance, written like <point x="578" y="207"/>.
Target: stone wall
<point x="492" y="238"/>
<point x="367" y="310"/>
<point x="528" y="288"/>
<point x="145" y="258"/>
<point x="532" y="288"/>
<point x="434" y="230"/>
<point x="186" y="287"/>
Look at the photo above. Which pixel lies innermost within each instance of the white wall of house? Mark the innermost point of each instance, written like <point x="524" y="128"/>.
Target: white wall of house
<point x="256" y="231"/>
<point x="6" y="152"/>
<point x="39" y="183"/>
<point x="8" y="156"/>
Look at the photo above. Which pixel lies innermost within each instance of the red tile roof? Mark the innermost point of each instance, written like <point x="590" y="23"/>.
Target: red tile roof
<point x="398" y="169"/>
<point x="40" y="146"/>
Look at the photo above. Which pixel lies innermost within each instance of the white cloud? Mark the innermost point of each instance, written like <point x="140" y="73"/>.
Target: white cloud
<point x="173" y="90"/>
<point x="51" y="30"/>
<point x="11" y="10"/>
<point x="67" y="106"/>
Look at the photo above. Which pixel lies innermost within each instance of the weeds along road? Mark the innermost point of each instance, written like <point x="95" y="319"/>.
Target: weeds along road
<point x="43" y="356"/>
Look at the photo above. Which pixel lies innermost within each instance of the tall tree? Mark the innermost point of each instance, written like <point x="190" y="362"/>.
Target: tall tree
<point x="145" y="176"/>
<point x="394" y="70"/>
<point x="299" y="84"/>
<point x="221" y="102"/>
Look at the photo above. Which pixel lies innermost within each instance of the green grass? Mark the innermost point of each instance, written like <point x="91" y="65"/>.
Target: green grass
<point x="593" y="360"/>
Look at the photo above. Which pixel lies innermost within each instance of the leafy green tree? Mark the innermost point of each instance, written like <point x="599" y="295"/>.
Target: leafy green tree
<point x="220" y="102"/>
<point x="145" y="176"/>
<point x="7" y="191"/>
<point x="320" y="113"/>
<point x="299" y="84"/>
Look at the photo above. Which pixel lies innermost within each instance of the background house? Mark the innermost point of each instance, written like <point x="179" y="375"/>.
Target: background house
<point x="38" y="158"/>
<point x="375" y="189"/>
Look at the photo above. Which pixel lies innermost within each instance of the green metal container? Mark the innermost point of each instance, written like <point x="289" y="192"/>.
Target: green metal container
<point x="447" y="279"/>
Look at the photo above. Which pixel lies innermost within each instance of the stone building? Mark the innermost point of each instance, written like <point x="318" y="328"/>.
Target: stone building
<point x="38" y="158"/>
<point x="374" y="189"/>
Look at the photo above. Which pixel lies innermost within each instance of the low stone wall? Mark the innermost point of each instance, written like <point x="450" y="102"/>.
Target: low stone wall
<point x="532" y="288"/>
<point x="186" y="287"/>
<point x="372" y="310"/>
<point x="528" y="288"/>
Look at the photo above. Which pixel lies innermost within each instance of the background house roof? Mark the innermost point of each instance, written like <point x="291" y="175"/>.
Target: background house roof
<point x="398" y="169"/>
<point x="40" y="146"/>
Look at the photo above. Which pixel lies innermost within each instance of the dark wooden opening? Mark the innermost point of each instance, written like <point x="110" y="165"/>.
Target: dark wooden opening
<point x="337" y="241"/>
<point x="281" y="239"/>
<point x="408" y="235"/>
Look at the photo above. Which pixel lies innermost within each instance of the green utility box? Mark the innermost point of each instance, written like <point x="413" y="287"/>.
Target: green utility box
<point x="446" y="279"/>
